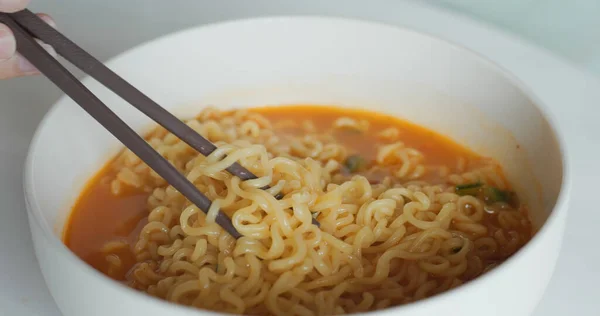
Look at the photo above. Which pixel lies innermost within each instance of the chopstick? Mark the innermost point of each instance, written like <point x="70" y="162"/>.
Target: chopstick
<point x="90" y="65"/>
<point x="25" y="24"/>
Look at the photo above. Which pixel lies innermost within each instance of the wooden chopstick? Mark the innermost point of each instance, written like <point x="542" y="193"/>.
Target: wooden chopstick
<point x="97" y="70"/>
<point x="101" y="113"/>
<point x="26" y="45"/>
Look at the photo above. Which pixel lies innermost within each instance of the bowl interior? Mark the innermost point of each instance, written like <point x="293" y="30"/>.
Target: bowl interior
<point x="306" y="60"/>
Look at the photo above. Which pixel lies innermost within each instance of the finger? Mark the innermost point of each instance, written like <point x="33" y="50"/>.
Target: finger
<point x="11" y="6"/>
<point x="17" y="65"/>
<point x="8" y="46"/>
<point x="46" y="19"/>
<point x="13" y="64"/>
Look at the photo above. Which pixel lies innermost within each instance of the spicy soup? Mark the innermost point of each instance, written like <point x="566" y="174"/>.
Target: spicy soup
<point x="405" y="213"/>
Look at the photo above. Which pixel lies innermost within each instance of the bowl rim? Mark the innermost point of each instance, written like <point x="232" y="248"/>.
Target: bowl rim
<point x="560" y="205"/>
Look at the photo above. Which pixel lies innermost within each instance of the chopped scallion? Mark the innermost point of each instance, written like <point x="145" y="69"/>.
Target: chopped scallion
<point x="468" y="189"/>
<point x="489" y="194"/>
<point x="355" y="163"/>
<point x="492" y="195"/>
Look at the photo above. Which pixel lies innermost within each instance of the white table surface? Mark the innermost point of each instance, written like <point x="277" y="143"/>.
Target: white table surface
<point x="108" y="27"/>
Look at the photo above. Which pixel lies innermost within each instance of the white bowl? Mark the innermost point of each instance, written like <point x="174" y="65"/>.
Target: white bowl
<point x="309" y="60"/>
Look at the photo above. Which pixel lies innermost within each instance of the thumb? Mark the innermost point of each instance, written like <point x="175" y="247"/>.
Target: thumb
<point x="11" y="63"/>
<point x="8" y="46"/>
<point x="9" y="60"/>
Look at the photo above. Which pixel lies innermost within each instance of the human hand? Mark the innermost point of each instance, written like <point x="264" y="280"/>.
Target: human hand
<point x="11" y="63"/>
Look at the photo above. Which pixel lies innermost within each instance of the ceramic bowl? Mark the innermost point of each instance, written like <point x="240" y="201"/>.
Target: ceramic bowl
<point x="315" y="60"/>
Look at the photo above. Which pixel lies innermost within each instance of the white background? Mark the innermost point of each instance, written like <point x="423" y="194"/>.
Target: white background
<point x="570" y="28"/>
<point x="106" y="28"/>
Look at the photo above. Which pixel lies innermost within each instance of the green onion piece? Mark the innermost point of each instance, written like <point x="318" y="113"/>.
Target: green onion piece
<point x="492" y="195"/>
<point x="355" y="163"/>
<point x="468" y="189"/>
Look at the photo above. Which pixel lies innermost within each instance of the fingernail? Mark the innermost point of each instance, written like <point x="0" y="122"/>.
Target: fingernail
<point x="8" y="45"/>
<point x="47" y="19"/>
<point x="25" y="66"/>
